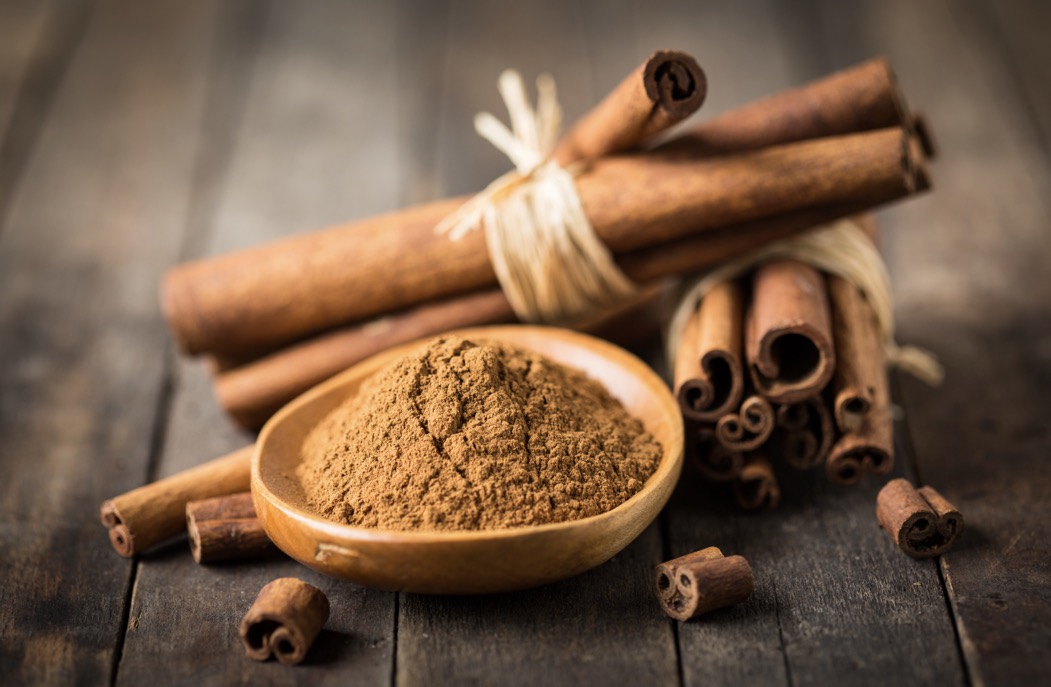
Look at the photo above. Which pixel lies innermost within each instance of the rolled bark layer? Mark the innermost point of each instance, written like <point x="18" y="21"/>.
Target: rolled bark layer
<point x="805" y="433"/>
<point x="708" y="372"/>
<point x="283" y="622"/>
<point x="702" y="581"/>
<point x="788" y="342"/>
<point x="749" y="427"/>
<point x="756" y="486"/>
<point x="713" y="460"/>
<point x="225" y="528"/>
<point x="921" y="521"/>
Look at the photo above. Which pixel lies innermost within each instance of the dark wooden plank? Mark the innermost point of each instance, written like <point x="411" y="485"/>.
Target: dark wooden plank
<point x="600" y="627"/>
<point x="98" y="213"/>
<point x="311" y="148"/>
<point x="832" y="598"/>
<point x="970" y="264"/>
<point x="1023" y="36"/>
<point x="37" y="40"/>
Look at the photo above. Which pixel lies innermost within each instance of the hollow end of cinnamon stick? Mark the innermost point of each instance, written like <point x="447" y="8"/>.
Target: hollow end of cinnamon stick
<point x="851" y="406"/>
<point x="283" y="622"/>
<point x="701" y="582"/>
<point x="756" y="486"/>
<point x="748" y="428"/>
<point x="712" y="460"/>
<point x="675" y="83"/>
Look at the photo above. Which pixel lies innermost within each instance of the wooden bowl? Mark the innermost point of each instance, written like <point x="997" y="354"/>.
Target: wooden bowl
<point x="472" y="562"/>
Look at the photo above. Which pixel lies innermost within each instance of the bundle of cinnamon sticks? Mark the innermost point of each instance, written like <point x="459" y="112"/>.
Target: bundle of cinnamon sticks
<point x="281" y="317"/>
<point x="783" y="368"/>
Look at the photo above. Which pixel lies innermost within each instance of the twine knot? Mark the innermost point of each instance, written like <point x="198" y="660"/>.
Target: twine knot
<point x="550" y="263"/>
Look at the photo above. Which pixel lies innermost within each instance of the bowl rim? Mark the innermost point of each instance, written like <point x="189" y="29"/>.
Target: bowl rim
<point x="670" y="462"/>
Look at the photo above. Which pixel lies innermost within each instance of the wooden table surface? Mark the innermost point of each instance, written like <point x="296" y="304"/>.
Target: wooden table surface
<point x="134" y="135"/>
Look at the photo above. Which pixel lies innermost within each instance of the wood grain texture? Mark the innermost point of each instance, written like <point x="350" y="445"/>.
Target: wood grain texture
<point x="971" y="286"/>
<point x="97" y="215"/>
<point x="304" y="148"/>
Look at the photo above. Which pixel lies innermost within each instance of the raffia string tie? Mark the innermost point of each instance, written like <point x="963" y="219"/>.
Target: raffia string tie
<point x="550" y="263"/>
<point x="843" y="249"/>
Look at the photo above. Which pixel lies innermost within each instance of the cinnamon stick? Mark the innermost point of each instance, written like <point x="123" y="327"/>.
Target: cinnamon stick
<point x="272" y="294"/>
<point x="702" y="581"/>
<point x="714" y="461"/>
<point x="666" y="89"/>
<point x="283" y="622"/>
<point x="708" y="373"/>
<point x="860" y="98"/>
<point x="749" y="428"/>
<point x="805" y="433"/>
<point x="156" y="512"/>
<point x="756" y="485"/>
<point x="921" y="522"/>
<point x="788" y="342"/>
<point x="225" y="528"/>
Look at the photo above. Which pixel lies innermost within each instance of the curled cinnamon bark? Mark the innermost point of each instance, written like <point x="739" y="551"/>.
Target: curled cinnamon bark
<point x="225" y="528"/>
<point x="788" y="342"/>
<point x="805" y="433"/>
<point x="153" y="513"/>
<point x="920" y="521"/>
<point x="713" y="460"/>
<point x="702" y="581"/>
<point x="756" y="485"/>
<point x="748" y="428"/>
<point x="283" y="622"/>
<point x="666" y="89"/>
<point x="859" y="355"/>
<point x="708" y="371"/>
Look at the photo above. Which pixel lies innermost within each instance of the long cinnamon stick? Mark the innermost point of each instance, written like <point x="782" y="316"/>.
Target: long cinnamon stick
<point x="860" y="98"/>
<point x="666" y="89"/>
<point x="708" y="372"/>
<point x="788" y="342"/>
<point x="288" y="289"/>
<point x="156" y="512"/>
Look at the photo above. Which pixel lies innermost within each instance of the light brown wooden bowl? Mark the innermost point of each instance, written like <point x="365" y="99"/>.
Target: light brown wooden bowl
<point x="472" y="562"/>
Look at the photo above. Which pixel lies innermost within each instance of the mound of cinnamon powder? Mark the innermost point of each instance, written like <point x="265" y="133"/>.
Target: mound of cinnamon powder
<point x="468" y="436"/>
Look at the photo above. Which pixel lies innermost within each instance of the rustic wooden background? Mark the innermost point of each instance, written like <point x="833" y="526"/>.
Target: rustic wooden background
<point x="134" y="135"/>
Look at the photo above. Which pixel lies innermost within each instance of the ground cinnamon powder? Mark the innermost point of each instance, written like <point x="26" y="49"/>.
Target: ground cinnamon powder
<point x="467" y="436"/>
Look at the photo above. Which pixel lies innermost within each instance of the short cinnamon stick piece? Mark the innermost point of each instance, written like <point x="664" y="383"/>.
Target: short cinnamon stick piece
<point x="225" y="528"/>
<point x="666" y="89"/>
<point x="788" y="342"/>
<point x="702" y="581"/>
<point x="156" y="512"/>
<point x="285" y="619"/>
<point x="756" y="486"/>
<point x="920" y="521"/>
<point x="708" y="372"/>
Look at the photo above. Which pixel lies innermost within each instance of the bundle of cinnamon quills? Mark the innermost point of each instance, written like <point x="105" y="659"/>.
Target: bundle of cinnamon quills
<point x="281" y="317"/>
<point x="783" y="369"/>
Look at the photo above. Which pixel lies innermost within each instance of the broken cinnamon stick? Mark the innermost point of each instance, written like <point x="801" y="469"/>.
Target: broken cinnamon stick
<point x="225" y="528"/>
<point x="920" y="521"/>
<point x="275" y="293"/>
<point x="708" y="373"/>
<point x="666" y="89"/>
<point x="756" y="485"/>
<point x="805" y="433"/>
<point x="861" y="98"/>
<point x="749" y="427"/>
<point x="714" y="461"/>
<point x="283" y="622"/>
<point x="702" y="581"/>
<point x="156" y="512"/>
<point x="788" y="340"/>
